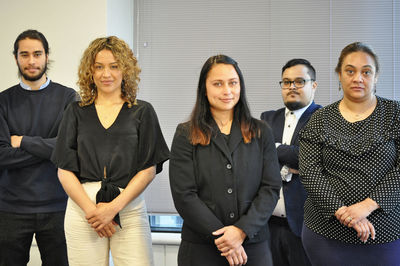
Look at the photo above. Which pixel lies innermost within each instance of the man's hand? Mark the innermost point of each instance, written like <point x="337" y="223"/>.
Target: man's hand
<point x="16" y="141"/>
<point x="293" y="171"/>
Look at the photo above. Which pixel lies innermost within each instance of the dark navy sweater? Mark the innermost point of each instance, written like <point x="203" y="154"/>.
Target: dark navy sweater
<point x="28" y="179"/>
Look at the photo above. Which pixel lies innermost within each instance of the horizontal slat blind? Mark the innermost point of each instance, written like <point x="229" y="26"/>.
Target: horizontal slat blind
<point x="176" y="37"/>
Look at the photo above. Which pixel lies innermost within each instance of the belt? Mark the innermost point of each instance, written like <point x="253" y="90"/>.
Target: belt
<point x="278" y="220"/>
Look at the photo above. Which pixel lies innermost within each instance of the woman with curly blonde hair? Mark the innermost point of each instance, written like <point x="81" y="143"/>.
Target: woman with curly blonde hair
<point x="109" y="148"/>
<point x="127" y="62"/>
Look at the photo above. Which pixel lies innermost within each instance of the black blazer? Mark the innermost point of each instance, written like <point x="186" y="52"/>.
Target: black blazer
<point x="224" y="184"/>
<point x="293" y="191"/>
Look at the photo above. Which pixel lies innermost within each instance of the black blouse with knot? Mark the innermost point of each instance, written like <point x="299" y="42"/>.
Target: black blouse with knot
<point x="115" y="155"/>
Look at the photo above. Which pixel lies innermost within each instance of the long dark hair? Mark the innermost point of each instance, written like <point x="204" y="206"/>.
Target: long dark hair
<point x="201" y="120"/>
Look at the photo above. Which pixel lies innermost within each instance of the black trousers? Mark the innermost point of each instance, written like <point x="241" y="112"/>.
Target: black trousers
<point x="16" y="233"/>
<point x="193" y="254"/>
<point x="287" y="248"/>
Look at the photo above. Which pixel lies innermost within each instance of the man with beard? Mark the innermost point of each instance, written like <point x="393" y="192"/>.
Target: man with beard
<point x="32" y="201"/>
<point x="298" y="87"/>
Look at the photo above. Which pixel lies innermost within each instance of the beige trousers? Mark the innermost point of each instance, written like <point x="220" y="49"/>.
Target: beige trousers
<point x="129" y="246"/>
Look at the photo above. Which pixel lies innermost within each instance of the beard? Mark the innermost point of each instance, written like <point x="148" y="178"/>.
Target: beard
<point x="293" y="106"/>
<point x="32" y="78"/>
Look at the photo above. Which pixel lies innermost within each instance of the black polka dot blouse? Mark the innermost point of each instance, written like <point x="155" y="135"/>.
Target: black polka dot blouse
<point x="342" y="163"/>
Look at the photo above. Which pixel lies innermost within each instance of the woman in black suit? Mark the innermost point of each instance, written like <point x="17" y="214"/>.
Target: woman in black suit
<point x="224" y="174"/>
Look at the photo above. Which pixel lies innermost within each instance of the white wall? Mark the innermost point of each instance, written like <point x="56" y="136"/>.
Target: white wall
<point x="120" y="18"/>
<point x="69" y="27"/>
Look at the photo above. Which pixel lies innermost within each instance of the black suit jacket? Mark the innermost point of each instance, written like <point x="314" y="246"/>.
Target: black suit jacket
<point x="293" y="191"/>
<point x="224" y="183"/>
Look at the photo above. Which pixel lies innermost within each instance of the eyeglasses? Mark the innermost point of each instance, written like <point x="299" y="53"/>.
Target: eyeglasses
<point x="298" y="83"/>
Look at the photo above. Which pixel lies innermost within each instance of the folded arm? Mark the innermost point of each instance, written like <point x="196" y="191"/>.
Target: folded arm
<point x="12" y="157"/>
<point x="288" y="155"/>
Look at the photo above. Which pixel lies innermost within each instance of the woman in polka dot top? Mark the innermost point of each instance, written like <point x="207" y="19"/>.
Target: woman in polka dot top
<point x="350" y="168"/>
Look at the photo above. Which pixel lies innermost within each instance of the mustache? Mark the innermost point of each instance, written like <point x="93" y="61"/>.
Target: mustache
<point x="292" y="92"/>
<point x="21" y="73"/>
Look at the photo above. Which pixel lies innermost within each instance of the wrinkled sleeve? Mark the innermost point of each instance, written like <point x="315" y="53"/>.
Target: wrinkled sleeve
<point x="38" y="146"/>
<point x="288" y="155"/>
<point x="312" y="169"/>
<point x="182" y="177"/>
<point x="65" y="155"/>
<point x="152" y="147"/>
<point x="264" y="203"/>
<point x="10" y="157"/>
<point x="387" y="191"/>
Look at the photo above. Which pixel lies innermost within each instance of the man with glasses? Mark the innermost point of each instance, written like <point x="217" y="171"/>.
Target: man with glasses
<point x="298" y="87"/>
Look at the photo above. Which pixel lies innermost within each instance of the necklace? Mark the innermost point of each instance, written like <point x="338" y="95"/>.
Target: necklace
<point x="354" y="116"/>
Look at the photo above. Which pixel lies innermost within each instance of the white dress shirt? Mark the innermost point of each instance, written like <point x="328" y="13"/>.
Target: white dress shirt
<point x="291" y="119"/>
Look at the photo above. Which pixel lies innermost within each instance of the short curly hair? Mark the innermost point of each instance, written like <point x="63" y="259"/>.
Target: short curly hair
<point x="126" y="61"/>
